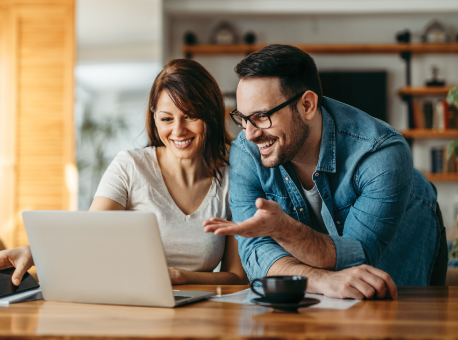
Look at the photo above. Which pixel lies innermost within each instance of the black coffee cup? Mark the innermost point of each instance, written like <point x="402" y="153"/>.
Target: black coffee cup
<point x="282" y="289"/>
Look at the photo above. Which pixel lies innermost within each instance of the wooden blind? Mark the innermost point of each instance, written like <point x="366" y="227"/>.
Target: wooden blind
<point x="44" y="165"/>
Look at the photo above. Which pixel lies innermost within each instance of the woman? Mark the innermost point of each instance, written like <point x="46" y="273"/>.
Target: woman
<point x="181" y="176"/>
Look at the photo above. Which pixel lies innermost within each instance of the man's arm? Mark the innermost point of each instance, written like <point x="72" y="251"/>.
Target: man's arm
<point x="356" y="283"/>
<point x="305" y="244"/>
<point x="384" y="180"/>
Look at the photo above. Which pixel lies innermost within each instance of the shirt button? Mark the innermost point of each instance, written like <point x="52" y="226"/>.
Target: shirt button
<point x="287" y="178"/>
<point x="294" y="208"/>
<point x="301" y="209"/>
<point x="317" y="174"/>
<point x="325" y="195"/>
<point x="338" y="222"/>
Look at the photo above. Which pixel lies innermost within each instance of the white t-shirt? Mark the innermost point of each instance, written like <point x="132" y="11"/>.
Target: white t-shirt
<point x="134" y="180"/>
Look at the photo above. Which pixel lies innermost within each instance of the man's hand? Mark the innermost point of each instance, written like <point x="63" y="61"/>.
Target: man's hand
<point x="20" y="258"/>
<point x="305" y="244"/>
<point x="359" y="282"/>
<point x="267" y="221"/>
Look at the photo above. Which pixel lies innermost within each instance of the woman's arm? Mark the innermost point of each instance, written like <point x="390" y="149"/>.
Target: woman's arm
<point x="232" y="272"/>
<point x="103" y="203"/>
<point x="20" y="258"/>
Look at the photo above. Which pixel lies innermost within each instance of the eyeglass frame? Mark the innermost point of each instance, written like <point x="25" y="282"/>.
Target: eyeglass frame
<point x="268" y="113"/>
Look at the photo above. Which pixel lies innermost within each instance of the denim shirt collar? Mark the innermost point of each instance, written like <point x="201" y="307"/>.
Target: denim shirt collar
<point x="326" y="163"/>
<point x="327" y="158"/>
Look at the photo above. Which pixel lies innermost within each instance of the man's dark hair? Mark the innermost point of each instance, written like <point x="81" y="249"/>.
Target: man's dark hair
<point x="295" y="69"/>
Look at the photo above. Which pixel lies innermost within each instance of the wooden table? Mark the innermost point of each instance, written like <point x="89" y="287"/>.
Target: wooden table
<point x="420" y="313"/>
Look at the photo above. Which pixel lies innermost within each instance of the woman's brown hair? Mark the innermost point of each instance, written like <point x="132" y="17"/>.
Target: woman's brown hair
<point x="195" y="92"/>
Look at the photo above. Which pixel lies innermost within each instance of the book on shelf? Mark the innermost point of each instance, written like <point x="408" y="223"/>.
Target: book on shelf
<point x="451" y="115"/>
<point x="418" y="116"/>
<point x="440" y="163"/>
<point x="439" y="117"/>
<point x="437" y="160"/>
<point x="434" y="114"/>
<point x="428" y="112"/>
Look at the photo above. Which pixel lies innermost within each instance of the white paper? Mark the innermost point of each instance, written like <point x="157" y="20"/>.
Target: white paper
<point x="245" y="297"/>
<point x="30" y="295"/>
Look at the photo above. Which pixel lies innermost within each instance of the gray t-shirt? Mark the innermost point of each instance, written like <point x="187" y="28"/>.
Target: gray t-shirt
<point x="314" y="201"/>
<point x="134" y="180"/>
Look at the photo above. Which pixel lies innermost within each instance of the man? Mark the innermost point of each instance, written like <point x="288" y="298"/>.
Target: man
<point x="321" y="189"/>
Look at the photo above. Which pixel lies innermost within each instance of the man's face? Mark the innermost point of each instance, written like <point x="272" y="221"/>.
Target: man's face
<point x="281" y="142"/>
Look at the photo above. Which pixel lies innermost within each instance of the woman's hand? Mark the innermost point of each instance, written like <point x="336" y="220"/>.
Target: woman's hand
<point x="231" y="271"/>
<point x="177" y="276"/>
<point x="19" y="258"/>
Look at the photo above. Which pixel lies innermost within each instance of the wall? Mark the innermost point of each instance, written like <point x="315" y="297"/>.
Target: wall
<point x="105" y="106"/>
<point x="119" y="56"/>
<point x="302" y="28"/>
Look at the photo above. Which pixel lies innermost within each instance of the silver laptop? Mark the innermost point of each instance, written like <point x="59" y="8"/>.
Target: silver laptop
<point x="113" y="257"/>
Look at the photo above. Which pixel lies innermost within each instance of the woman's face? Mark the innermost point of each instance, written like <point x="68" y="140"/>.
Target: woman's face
<point x="181" y="134"/>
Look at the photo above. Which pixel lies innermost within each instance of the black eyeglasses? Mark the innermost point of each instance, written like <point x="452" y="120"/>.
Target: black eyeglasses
<point x="260" y="120"/>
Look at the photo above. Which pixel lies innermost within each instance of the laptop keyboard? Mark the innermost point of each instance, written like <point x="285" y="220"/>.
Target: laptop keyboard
<point x="178" y="297"/>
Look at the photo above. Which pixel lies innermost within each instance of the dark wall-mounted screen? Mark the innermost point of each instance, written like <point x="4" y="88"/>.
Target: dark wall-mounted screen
<point x="363" y="90"/>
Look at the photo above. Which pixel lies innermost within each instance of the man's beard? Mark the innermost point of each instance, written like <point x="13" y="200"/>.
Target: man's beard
<point x="299" y="133"/>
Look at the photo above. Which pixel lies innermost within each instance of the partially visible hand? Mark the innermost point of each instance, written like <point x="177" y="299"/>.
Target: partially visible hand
<point x="359" y="282"/>
<point x="20" y="258"/>
<point x="177" y="276"/>
<point x="268" y="220"/>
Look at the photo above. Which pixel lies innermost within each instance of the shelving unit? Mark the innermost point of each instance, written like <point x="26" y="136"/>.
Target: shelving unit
<point x="405" y="50"/>
<point x="408" y="93"/>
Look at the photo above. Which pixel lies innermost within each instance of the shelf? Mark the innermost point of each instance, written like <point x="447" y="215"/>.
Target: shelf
<point x="328" y="48"/>
<point x="428" y="133"/>
<point x="305" y="7"/>
<point x="443" y="177"/>
<point x="424" y="91"/>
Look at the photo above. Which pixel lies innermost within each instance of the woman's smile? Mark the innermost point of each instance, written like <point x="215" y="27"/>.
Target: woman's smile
<point x="183" y="143"/>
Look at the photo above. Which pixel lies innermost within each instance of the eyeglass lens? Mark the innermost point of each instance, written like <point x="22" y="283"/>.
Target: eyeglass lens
<point x="259" y="120"/>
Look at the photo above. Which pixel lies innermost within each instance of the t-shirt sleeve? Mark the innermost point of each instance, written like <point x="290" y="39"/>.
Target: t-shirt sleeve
<point x="115" y="182"/>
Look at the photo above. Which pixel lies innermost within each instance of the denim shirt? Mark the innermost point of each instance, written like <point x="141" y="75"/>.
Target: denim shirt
<point x="377" y="208"/>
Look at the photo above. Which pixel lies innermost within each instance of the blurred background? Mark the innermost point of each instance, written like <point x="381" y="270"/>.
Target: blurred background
<point x="75" y="77"/>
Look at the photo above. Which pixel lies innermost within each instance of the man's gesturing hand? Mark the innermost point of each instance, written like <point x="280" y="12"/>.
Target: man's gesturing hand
<point x="268" y="220"/>
<point x="359" y="282"/>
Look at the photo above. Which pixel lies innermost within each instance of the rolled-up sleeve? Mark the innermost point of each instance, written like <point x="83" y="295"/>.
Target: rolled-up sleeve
<point x="383" y="179"/>
<point x="257" y="254"/>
